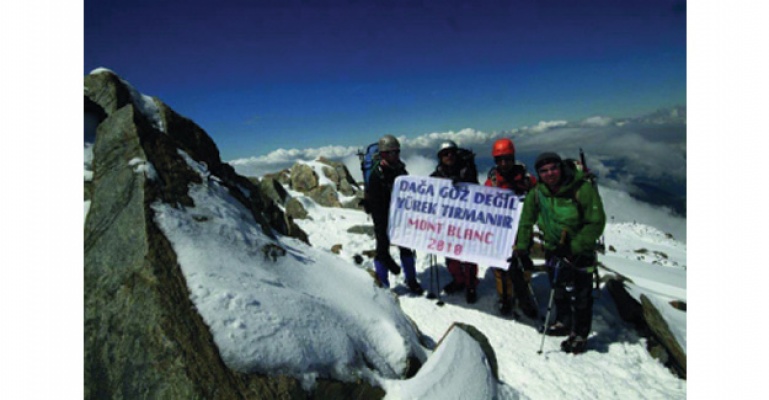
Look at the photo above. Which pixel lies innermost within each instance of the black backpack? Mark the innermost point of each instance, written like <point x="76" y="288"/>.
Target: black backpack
<point x="467" y="159"/>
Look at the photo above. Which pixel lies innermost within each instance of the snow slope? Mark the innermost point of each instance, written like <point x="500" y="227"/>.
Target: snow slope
<point x="617" y="364"/>
<point x="274" y="313"/>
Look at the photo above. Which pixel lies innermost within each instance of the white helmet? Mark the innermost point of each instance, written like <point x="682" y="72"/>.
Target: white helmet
<point x="389" y="143"/>
<point x="447" y="145"/>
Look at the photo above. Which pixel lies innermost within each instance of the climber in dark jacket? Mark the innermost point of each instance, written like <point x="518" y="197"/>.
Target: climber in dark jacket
<point x="377" y="199"/>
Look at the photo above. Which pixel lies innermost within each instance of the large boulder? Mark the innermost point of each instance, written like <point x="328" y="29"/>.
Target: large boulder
<point x="325" y="195"/>
<point x="303" y="178"/>
<point x="338" y="173"/>
<point x="143" y="336"/>
<point x="335" y="188"/>
<point x="295" y="209"/>
<point x="273" y="190"/>
<point x="441" y="378"/>
<point x="662" y="333"/>
<point x="649" y="323"/>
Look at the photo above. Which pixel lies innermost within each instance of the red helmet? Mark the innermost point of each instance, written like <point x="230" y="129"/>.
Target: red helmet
<point x="503" y="147"/>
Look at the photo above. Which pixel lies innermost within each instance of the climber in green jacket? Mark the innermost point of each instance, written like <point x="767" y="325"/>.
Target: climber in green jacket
<point x="568" y="211"/>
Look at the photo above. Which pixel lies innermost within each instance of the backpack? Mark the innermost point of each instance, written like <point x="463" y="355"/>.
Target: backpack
<point x="368" y="161"/>
<point x="467" y="159"/>
<point x="576" y="165"/>
<point x="492" y="177"/>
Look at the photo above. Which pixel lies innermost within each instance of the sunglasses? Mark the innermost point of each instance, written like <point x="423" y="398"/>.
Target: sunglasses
<point x="448" y="153"/>
<point x="394" y="152"/>
<point x="504" y="158"/>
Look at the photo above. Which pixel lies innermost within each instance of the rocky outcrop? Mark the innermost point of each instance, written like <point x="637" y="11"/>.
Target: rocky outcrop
<point x="295" y="209"/>
<point x="659" y="327"/>
<point x="143" y="336"/>
<point x="325" y="195"/>
<point x="340" y="176"/>
<point x="342" y="191"/>
<point x="462" y="344"/>
<point x="303" y="178"/>
<point x="273" y="190"/>
<point x="483" y="343"/>
<point x="649" y="323"/>
<point x="362" y="230"/>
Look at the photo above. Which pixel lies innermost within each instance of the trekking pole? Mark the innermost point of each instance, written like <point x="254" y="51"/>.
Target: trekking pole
<point x="549" y="304"/>
<point x="528" y="283"/>
<point x="431" y="266"/>
<point x="553" y="283"/>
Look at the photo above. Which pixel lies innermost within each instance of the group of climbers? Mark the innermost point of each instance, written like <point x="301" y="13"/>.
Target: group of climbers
<point x="569" y="216"/>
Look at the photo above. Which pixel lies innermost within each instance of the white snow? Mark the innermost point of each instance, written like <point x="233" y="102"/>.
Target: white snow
<point x="457" y="368"/>
<point x="141" y="166"/>
<point x="305" y="313"/>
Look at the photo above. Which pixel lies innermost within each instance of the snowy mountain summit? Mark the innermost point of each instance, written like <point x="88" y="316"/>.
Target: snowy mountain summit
<point x="195" y="288"/>
<point x="200" y="283"/>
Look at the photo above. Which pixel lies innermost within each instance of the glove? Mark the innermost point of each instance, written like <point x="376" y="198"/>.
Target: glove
<point x="363" y="203"/>
<point x="455" y="181"/>
<point x="522" y="254"/>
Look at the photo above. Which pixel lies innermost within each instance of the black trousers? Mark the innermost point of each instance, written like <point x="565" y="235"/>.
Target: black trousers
<point x="573" y="294"/>
<point x="514" y="275"/>
<point x="383" y="243"/>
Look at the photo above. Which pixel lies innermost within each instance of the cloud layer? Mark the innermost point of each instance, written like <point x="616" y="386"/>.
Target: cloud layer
<point x="627" y="154"/>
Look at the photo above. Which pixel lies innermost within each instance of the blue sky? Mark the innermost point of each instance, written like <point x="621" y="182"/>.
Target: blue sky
<point x="264" y="75"/>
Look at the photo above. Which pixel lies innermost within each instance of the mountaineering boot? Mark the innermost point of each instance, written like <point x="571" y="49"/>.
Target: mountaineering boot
<point x="453" y="287"/>
<point x="381" y="274"/>
<point x="415" y="287"/>
<point x="557" y="329"/>
<point x="471" y="295"/>
<point x="411" y="275"/>
<point x="574" y="344"/>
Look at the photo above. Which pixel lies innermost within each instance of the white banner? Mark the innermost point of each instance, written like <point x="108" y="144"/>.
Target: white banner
<point x="467" y="222"/>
